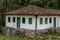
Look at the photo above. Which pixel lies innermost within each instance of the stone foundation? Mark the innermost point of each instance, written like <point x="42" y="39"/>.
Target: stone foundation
<point x="27" y="32"/>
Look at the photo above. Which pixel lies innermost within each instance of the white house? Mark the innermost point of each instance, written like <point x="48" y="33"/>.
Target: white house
<point x="32" y="17"/>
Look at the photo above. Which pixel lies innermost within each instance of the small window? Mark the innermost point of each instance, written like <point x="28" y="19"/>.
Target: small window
<point x="46" y="20"/>
<point x="50" y="20"/>
<point x="8" y="19"/>
<point x="30" y="20"/>
<point x="13" y="19"/>
<point x="23" y="20"/>
<point x="41" y="20"/>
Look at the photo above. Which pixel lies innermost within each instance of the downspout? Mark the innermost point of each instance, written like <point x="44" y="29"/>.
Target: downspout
<point x="35" y="25"/>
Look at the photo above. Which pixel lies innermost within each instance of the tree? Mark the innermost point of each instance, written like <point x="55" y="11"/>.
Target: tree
<point x="9" y="5"/>
<point x="0" y="6"/>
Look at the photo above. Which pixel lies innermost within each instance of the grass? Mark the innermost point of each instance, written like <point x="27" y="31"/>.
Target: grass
<point x="4" y="37"/>
<point x="44" y="36"/>
<point x="1" y="37"/>
<point x="14" y="37"/>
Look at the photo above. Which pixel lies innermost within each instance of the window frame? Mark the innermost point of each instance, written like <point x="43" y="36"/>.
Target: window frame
<point x="50" y="20"/>
<point x="13" y="19"/>
<point x="9" y="19"/>
<point x="30" y="20"/>
<point x="46" y="20"/>
<point x="41" y="20"/>
<point x="23" y="20"/>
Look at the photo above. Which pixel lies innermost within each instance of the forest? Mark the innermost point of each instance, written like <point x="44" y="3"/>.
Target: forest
<point x="9" y="5"/>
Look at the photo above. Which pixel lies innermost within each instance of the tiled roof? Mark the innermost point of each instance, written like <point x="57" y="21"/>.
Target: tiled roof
<point x="35" y="10"/>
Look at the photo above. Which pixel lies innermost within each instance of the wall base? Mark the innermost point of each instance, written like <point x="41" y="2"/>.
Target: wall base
<point x="27" y="32"/>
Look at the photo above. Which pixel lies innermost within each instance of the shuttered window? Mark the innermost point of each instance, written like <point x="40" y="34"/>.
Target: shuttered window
<point x="9" y="19"/>
<point x="30" y="20"/>
<point x="13" y="19"/>
<point x="23" y="20"/>
<point x="41" y="20"/>
<point x="46" y="20"/>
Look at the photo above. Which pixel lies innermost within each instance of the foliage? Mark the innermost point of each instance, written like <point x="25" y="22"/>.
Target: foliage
<point x="9" y="5"/>
<point x="0" y="6"/>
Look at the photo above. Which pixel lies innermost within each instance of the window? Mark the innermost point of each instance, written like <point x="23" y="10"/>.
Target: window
<point x="8" y="19"/>
<point x="13" y="19"/>
<point x="50" y="20"/>
<point x="46" y="20"/>
<point x="41" y="20"/>
<point x="23" y="20"/>
<point x="30" y="20"/>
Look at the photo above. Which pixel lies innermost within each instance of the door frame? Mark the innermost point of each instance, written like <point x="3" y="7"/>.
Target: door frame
<point x="18" y="22"/>
<point x="54" y="22"/>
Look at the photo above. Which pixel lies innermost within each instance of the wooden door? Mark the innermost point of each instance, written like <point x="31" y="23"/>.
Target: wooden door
<point x="18" y="22"/>
<point x="54" y="22"/>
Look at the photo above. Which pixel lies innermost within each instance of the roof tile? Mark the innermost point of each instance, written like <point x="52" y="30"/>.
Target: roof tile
<point x="32" y="9"/>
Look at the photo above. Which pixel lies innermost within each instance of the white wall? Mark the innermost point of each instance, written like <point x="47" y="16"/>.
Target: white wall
<point x="59" y="21"/>
<point x="10" y="24"/>
<point x="25" y="26"/>
<point x="44" y="26"/>
<point x="32" y="26"/>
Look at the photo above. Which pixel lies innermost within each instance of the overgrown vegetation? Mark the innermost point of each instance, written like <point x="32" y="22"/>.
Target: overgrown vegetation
<point x="44" y="36"/>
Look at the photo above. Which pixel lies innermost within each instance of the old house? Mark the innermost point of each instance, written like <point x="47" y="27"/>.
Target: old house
<point x="32" y="17"/>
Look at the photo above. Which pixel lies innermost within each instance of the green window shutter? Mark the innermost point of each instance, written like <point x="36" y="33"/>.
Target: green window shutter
<point x="13" y="19"/>
<point x="46" y="20"/>
<point x="23" y="20"/>
<point x="9" y="19"/>
<point x="30" y="20"/>
<point x="41" y="20"/>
